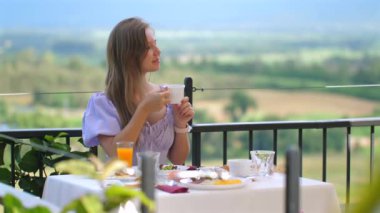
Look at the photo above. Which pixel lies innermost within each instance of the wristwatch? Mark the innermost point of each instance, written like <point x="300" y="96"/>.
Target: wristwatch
<point x="182" y="130"/>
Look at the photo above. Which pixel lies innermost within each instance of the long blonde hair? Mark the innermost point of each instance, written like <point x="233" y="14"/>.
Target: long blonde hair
<point x="126" y="48"/>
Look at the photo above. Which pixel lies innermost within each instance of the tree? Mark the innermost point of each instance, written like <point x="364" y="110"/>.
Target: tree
<point x="239" y="105"/>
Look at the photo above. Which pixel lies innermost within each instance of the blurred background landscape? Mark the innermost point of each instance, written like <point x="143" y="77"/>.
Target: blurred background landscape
<point x="255" y="60"/>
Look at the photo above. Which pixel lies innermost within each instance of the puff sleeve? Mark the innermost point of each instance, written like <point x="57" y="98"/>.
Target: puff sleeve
<point x="99" y="118"/>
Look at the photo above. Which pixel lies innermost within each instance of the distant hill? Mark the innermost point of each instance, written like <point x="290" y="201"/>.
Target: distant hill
<point x="195" y="14"/>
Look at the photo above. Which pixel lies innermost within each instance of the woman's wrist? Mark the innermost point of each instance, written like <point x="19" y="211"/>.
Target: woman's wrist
<point x="182" y="130"/>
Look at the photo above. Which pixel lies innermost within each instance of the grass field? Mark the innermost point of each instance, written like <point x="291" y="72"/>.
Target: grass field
<point x="295" y="104"/>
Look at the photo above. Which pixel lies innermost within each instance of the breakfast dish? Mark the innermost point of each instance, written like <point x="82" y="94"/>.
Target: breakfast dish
<point x="123" y="177"/>
<point x="130" y="174"/>
<point x="214" y="184"/>
<point x="169" y="168"/>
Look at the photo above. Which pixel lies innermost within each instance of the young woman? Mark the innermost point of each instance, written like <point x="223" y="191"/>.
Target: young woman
<point x="132" y="108"/>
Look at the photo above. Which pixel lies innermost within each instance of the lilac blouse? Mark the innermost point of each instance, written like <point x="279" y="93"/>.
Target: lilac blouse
<point x="101" y="118"/>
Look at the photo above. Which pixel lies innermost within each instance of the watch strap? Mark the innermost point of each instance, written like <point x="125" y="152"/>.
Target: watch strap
<point x="182" y="130"/>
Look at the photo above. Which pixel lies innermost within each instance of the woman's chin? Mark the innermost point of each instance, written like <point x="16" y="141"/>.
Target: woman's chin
<point x="155" y="69"/>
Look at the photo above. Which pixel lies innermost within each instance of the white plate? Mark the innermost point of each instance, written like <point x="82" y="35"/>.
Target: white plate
<point x="211" y="186"/>
<point x="126" y="177"/>
<point x="179" y="168"/>
<point x="122" y="177"/>
<point x="132" y="183"/>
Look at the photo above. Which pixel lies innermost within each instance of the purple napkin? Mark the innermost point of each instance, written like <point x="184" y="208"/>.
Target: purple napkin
<point x="172" y="189"/>
<point x="192" y="168"/>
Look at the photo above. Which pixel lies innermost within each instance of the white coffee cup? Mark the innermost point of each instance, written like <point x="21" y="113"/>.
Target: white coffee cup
<point x="177" y="92"/>
<point x="240" y="167"/>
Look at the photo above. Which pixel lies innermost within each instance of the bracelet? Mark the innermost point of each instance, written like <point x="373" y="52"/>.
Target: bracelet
<point x="182" y="130"/>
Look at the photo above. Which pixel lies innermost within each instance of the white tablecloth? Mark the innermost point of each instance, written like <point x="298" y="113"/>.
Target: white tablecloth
<point x="28" y="200"/>
<point x="266" y="196"/>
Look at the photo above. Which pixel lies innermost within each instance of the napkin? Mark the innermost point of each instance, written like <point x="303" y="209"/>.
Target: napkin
<point x="172" y="189"/>
<point x="192" y="168"/>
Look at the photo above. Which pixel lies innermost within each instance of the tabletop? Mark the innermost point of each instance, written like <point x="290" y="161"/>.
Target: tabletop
<point x="263" y="195"/>
<point x="28" y="200"/>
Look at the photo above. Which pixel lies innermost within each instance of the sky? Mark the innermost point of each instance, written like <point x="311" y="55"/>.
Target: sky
<point x="188" y="14"/>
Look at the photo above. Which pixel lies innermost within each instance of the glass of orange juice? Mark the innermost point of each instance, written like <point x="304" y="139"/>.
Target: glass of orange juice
<point x="125" y="152"/>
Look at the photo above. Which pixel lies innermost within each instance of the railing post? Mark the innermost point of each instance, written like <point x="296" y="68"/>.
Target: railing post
<point x="348" y="171"/>
<point x="41" y="162"/>
<point x="224" y="147"/>
<point x="94" y="150"/>
<point x="275" y="146"/>
<point x="189" y="91"/>
<point x="324" y="154"/>
<point x="372" y="155"/>
<point x="196" y="149"/>
<point x="13" y="164"/>
<point x="196" y="137"/>
<point x="300" y="142"/>
<point x="250" y="143"/>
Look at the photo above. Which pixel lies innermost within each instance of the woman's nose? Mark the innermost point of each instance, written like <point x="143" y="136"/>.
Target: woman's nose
<point x="158" y="51"/>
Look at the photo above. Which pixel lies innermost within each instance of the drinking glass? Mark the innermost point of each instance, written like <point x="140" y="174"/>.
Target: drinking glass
<point x="125" y="151"/>
<point x="155" y="155"/>
<point x="262" y="162"/>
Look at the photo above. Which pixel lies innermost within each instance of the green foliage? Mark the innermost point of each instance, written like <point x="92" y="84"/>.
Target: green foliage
<point x="13" y="205"/>
<point x="47" y="149"/>
<point x="79" y="167"/>
<point x="33" y="156"/>
<point x="201" y="116"/>
<point x="118" y="194"/>
<point x="114" y="195"/>
<point x="239" y="103"/>
<point x="89" y="203"/>
<point x="3" y="110"/>
<point x="5" y="174"/>
<point x="263" y="139"/>
<point x="27" y="162"/>
<point x="40" y="119"/>
<point x="36" y="73"/>
<point x="370" y="196"/>
<point x="85" y="204"/>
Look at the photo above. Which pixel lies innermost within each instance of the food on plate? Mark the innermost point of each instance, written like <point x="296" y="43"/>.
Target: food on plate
<point x="135" y="184"/>
<point x="168" y="167"/>
<point x="206" y="178"/>
<point x="227" y="182"/>
<point x="126" y="172"/>
<point x="210" y="181"/>
<point x="122" y="174"/>
<point x="226" y="167"/>
<point x="130" y="174"/>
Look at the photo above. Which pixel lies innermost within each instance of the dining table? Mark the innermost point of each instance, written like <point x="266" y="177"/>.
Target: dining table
<point x="266" y="194"/>
<point x="27" y="200"/>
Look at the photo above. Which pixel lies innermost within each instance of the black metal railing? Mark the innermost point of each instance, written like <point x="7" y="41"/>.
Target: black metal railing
<point x="274" y="126"/>
<point x="250" y="127"/>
